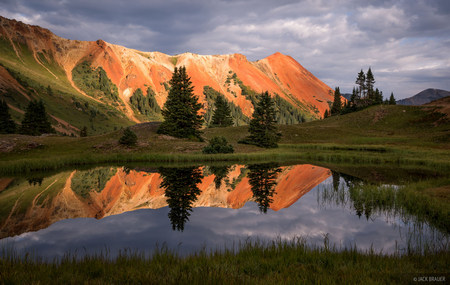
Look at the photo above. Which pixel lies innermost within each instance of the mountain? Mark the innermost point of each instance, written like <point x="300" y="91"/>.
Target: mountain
<point x="106" y="191"/>
<point x="424" y="97"/>
<point x="105" y="86"/>
<point x="347" y="96"/>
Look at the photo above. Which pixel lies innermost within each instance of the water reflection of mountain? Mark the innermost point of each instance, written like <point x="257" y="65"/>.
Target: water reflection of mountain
<point x="109" y="191"/>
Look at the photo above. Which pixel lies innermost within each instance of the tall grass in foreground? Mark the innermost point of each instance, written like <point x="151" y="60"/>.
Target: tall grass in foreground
<point x="277" y="262"/>
<point x="407" y="202"/>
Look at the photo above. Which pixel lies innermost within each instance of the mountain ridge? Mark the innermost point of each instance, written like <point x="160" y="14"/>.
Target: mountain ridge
<point x="37" y="53"/>
<point x="424" y="97"/>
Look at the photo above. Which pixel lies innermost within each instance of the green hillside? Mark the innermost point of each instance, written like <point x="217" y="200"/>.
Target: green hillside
<point x="47" y="80"/>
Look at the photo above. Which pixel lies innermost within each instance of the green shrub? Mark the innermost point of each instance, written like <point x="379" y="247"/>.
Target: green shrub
<point x="128" y="138"/>
<point x="218" y="145"/>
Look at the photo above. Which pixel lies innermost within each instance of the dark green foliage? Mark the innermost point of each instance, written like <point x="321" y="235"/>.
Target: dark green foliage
<point x="218" y="145"/>
<point x="222" y="114"/>
<point x="83" y="132"/>
<point x="287" y="114"/>
<point x="84" y="182"/>
<point x="181" y="191"/>
<point x="35" y="121"/>
<point x="35" y="181"/>
<point x="151" y="96"/>
<point x="211" y="96"/>
<point x="263" y="131"/>
<point x="94" y="82"/>
<point x="337" y="104"/>
<point x="361" y="82"/>
<point x="392" y="99"/>
<point x="181" y="111"/>
<point x="262" y="181"/>
<point x="128" y="138"/>
<point x="145" y="105"/>
<point x="377" y="97"/>
<point x="370" y="81"/>
<point x="7" y="125"/>
<point x="326" y="115"/>
<point x="365" y="95"/>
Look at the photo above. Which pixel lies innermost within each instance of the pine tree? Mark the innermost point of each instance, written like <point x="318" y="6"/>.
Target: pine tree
<point x="262" y="129"/>
<point x="337" y="105"/>
<point x="262" y="179"/>
<point x="128" y="138"/>
<point x="325" y="115"/>
<point x="354" y="95"/>
<point x="7" y="125"/>
<point x="377" y="97"/>
<point x="181" y="111"/>
<point x="370" y="81"/>
<point x="181" y="189"/>
<point x="222" y="115"/>
<point x="392" y="99"/>
<point x="35" y="121"/>
<point x="83" y="132"/>
<point x="361" y="81"/>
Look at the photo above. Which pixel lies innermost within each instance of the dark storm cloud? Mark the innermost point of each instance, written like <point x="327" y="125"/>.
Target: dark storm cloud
<point x="405" y="42"/>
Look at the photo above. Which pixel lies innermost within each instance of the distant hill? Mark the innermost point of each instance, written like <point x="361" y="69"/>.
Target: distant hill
<point x="347" y="96"/>
<point x="424" y="97"/>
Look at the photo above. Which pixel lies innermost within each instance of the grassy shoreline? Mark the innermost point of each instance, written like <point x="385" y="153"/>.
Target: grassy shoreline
<point x="312" y="153"/>
<point x="276" y="262"/>
<point x="395" y="135"/>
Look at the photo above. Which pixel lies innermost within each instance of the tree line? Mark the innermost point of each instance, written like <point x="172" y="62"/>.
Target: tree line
<point x="34" y="123"/>
<point x="363" y="95"/>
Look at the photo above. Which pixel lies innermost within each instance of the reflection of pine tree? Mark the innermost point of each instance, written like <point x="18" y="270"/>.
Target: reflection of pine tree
<point x="262" y="181"/>
<point x="181" y="191"/>
<point x="336" y="178"/>
<point x="220" y="172"/>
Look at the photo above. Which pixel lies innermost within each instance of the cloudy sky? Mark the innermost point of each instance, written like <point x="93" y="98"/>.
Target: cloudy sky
<point x="407" y="43"/>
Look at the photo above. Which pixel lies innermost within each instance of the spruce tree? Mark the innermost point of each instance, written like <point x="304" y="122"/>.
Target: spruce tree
<point x="262" y="129"/>
<point x="181" y="189"/>
<point x="377" y="97"/>
<point x="392" y="99"/>
<point x="361" y="81"/>
<point x="370" y="82"/>
<point x="35" y="121"/>
<point x="262" y="179"/>
<point x="128" y="138"/>
<point x="354" y="95"/>
<point x="7" y="125"/>
<point x="325" y="115"/>
<point x="83" y="132"/>
<point x="222" y="115"/>
<point x="337" y="104"/>
<point x="181" y="111"/>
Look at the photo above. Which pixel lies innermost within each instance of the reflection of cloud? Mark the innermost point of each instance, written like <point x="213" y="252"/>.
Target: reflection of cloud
<point x="334" y="41"/>
<point x="215" y="227"/>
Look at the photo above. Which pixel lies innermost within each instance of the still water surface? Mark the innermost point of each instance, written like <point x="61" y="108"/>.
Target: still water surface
<point x="107" y="209"/>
